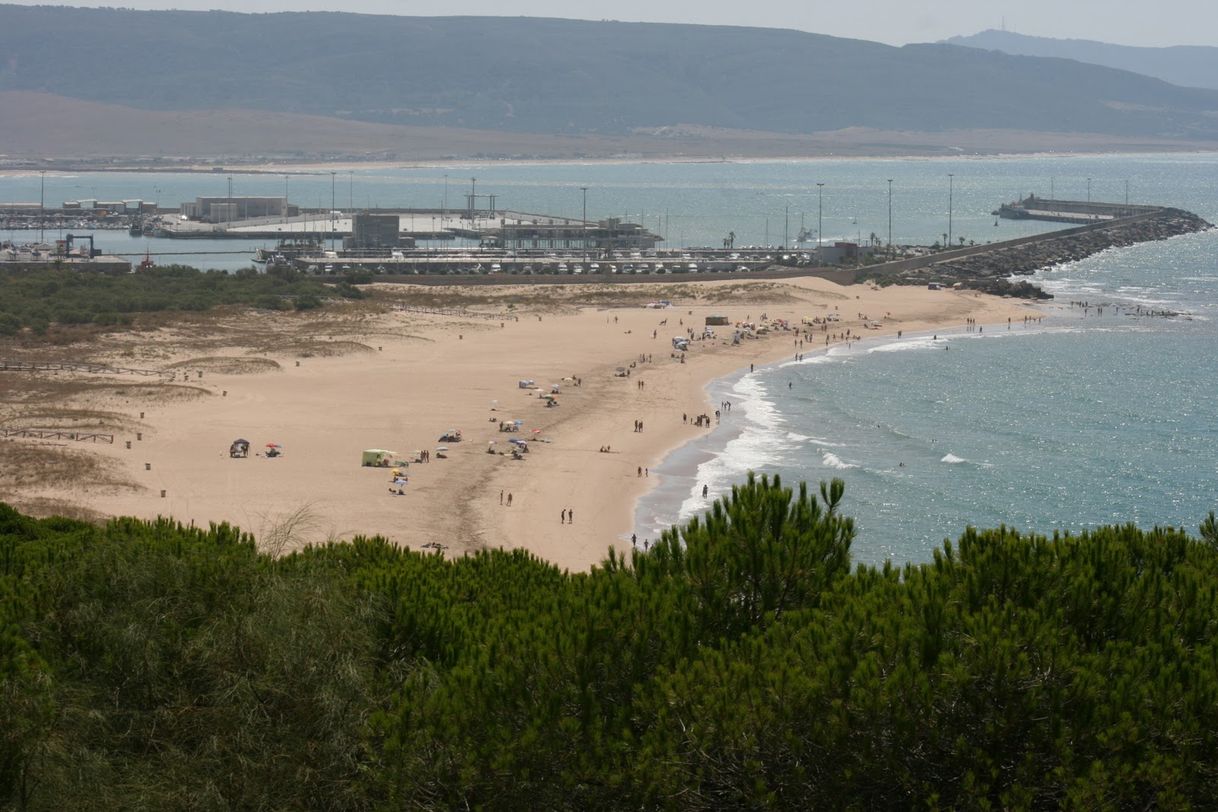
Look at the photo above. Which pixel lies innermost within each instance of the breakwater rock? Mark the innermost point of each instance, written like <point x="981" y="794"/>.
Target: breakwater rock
<point x="988" y="268"/>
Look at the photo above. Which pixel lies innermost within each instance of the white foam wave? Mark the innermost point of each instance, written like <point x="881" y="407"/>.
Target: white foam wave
<point x="952" y="459"/>
<point x="831" y="460"/>
<point x="910" y="344"/>
<point x="819" y="358"/>
<point x="799" y="438"/>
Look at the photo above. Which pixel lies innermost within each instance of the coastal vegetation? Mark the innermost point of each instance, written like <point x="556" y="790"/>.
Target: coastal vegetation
<point x="34" y="300"/>
<point x="739" y="662"/>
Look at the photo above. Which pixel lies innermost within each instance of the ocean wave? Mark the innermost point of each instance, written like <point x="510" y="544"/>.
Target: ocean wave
<point x="799" y="438"/>
<point x="831" y="460"/>
<point x="753" y="403"/>
<point x="819" y="358"/>
<point x="952" y="459"/>
<point x="909" y="344"/>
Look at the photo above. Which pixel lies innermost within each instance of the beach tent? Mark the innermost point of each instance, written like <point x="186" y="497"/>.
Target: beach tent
<point x="377" y="457"/>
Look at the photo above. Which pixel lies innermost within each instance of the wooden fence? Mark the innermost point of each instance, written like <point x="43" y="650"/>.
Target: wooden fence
<point x="57" y="434"/>
<point x="77" y="366"/>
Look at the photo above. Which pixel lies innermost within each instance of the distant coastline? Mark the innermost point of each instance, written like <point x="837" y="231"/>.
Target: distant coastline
<point x="322" y="166"/>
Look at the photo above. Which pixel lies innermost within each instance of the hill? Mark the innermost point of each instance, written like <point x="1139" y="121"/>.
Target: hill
<point x="1185" y="65"/>
<point x="570" y="77"/>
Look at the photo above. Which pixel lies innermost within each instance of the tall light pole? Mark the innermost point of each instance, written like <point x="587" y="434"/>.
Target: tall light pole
<point x="42" y="204"/>
<point x="820" y="216"/>
<point x="351" y="191"/>
<point x="786" y="226"/>
<point x="890" y="218"/>
<point x="473" y="198"/>
<point x="1088" y="190"/>
<point x="285" y="200"/>
<point x="583" y="224"/>
<point x="444" y="204"/>
<point x="333" y="227"/>
<point x="1127" y="192"/>
<point x="950" y="184"/>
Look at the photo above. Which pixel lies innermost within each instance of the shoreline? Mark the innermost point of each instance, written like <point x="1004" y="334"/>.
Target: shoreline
<point x="322" y="167"/>
<point x="398" y="380"/>
<point x="656" y="512"/>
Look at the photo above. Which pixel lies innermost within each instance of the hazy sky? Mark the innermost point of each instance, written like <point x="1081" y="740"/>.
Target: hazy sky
<point x="1163" y="22"/>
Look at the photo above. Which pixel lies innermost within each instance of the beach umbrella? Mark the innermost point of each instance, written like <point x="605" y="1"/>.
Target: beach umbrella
<point x="273" y="445"/>
<point x="241" y="440"/>
<point x="441" y="448"/>
<point x="537" y="431"/>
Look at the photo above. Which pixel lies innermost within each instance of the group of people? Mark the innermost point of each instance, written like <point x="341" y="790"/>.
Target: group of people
<point x="568" y="516"/>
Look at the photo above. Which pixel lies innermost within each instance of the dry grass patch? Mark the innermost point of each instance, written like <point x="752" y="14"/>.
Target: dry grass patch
<point x="41" y="507"/>
<point x="26" y="465"/>
<point x="228" y="365"/>
<point x="158" y="392"/>
<point x="318" y="349"/>
<point x="98" y="420"/>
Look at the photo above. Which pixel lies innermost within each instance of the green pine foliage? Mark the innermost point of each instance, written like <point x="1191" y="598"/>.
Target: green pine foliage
<point x="739" y="663"/>
<point x="37" y="299"/>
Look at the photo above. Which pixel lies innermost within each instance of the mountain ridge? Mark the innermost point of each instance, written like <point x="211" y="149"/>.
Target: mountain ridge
<point x="563" y="77"/>
<point x="1182" y="65"/>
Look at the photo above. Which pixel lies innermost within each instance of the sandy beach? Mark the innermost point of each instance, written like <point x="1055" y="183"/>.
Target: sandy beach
<point x="326" y="387"/>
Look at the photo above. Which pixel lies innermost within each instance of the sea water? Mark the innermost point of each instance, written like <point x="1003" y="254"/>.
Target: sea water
<point x="1078" y="421"/>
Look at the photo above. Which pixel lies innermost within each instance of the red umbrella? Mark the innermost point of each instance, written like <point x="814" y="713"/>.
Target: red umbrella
<point x="273" y="445"/>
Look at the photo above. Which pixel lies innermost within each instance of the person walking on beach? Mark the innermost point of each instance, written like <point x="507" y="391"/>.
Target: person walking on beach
<point x="570" y="515"/>
<point x="705" y="490"/>
<point x="640" y="473"/>
<point x="501" y="497"/>
<point x="563" y="519"/>
<point x="509" y="501"/>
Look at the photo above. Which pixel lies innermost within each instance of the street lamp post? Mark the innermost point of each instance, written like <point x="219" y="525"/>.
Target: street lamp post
<point x="42" y="204"/>
<point x="950" y="189"/>
<point x="1088" y="190"/>
<point x="786" y="226"/>
<point x="444" y="203"/>
<point x="890" y="218"/>
<point x="473" y="198"/>
<point x="820" y="216"/>
<point x="333" y="226"/>
<point x="285" y="200"/>
<point x="583" y="224"/>
<point x="1127" y="192"/>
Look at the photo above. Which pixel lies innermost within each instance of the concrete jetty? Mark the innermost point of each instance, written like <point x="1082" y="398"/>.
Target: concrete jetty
<point x="988" y="268"/>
